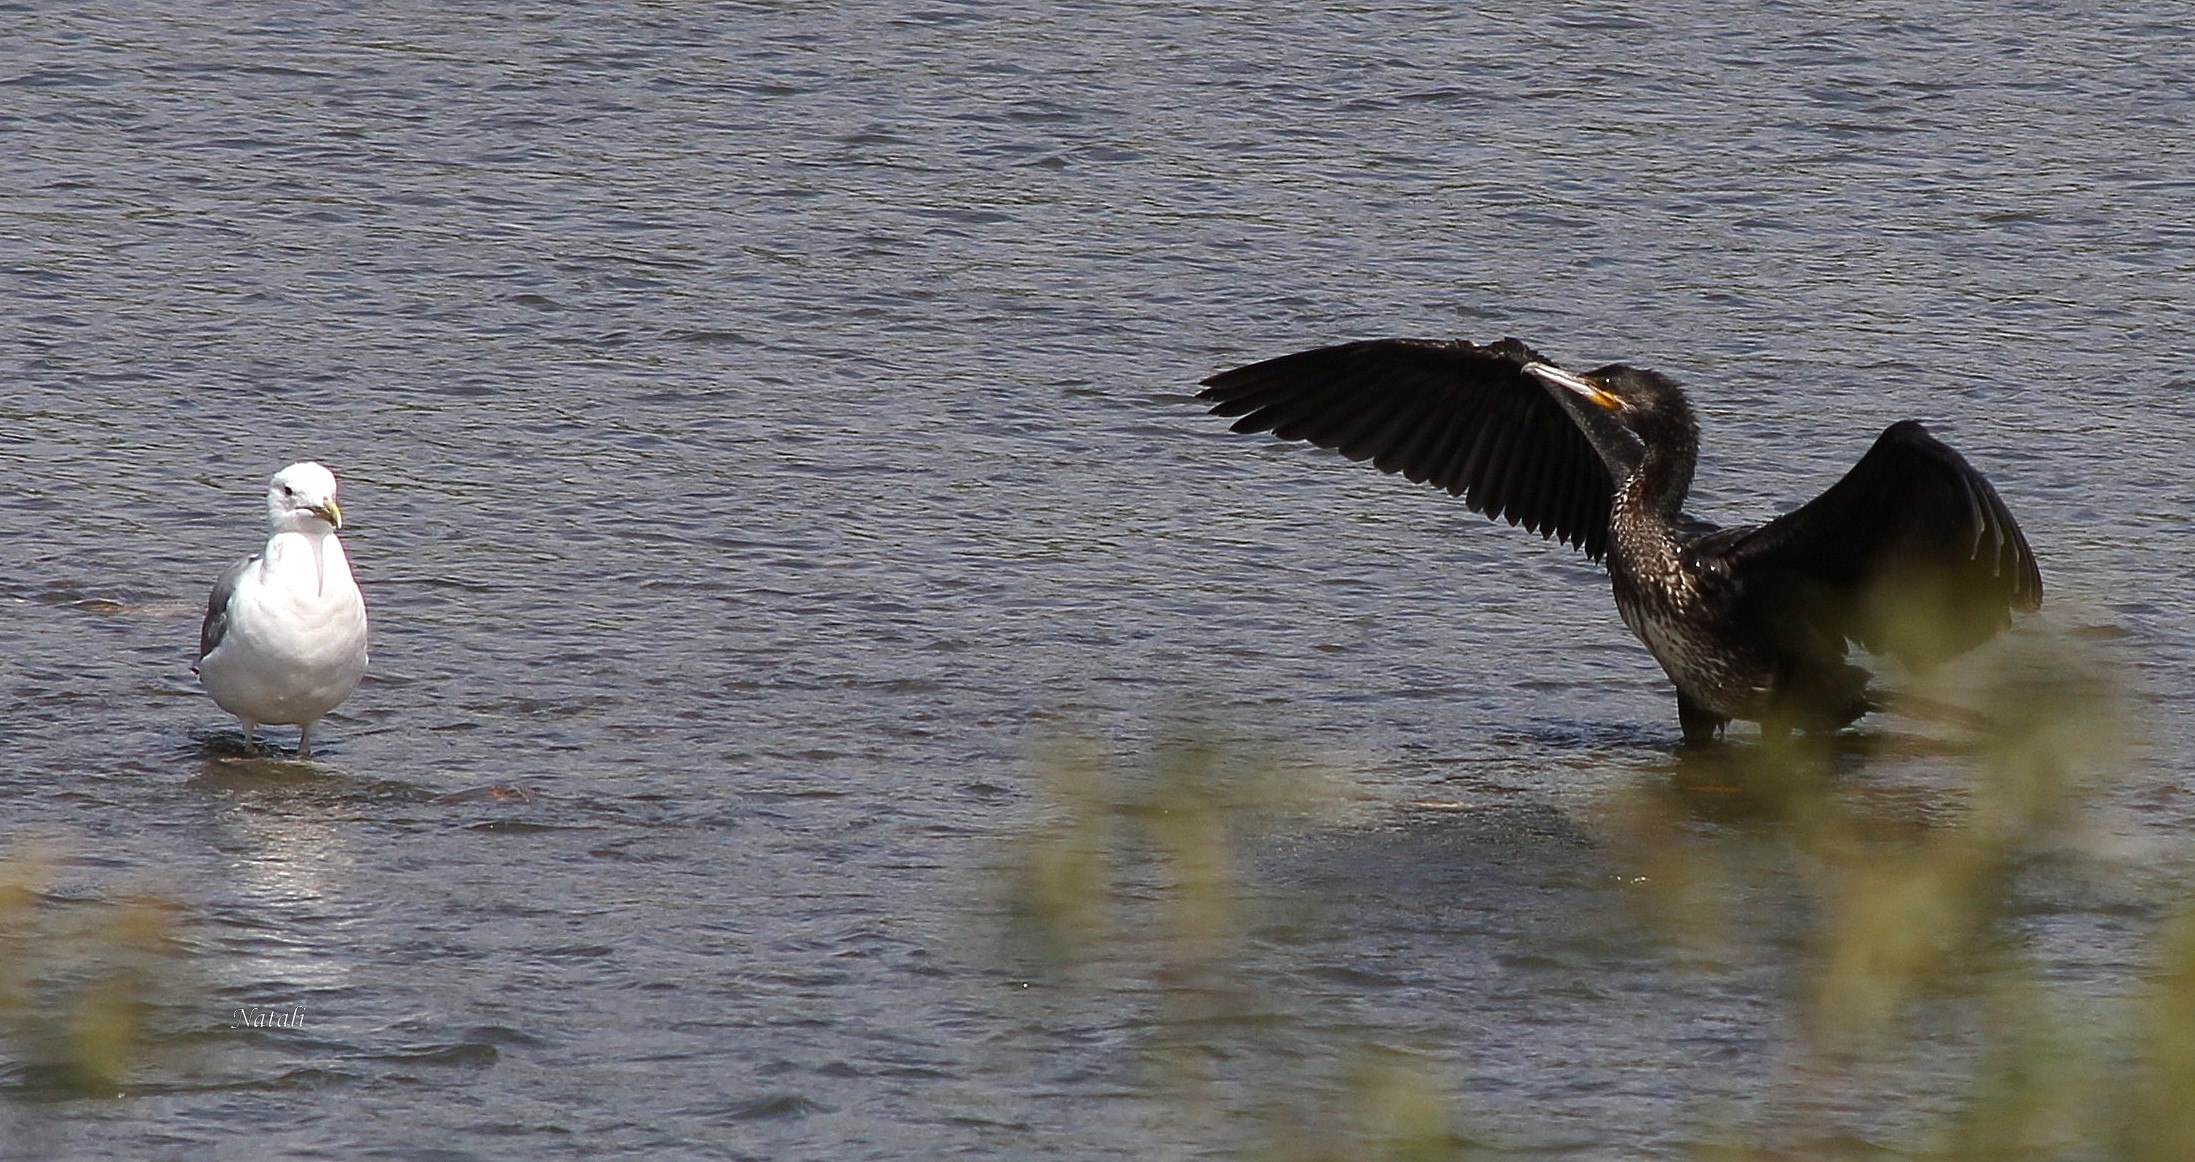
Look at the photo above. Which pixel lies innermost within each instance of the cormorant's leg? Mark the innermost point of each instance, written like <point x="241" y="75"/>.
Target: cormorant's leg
<point x="1700" y="725"/>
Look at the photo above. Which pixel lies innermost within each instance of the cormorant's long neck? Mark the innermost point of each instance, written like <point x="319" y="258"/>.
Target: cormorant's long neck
<point x="1664" y="473"/>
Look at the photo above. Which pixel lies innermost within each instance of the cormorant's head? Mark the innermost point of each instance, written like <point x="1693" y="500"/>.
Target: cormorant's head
<point x="1647" y="402"/>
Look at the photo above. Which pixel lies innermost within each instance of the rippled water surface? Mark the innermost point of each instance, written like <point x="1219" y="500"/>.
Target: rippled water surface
<point x="764" y="424"/>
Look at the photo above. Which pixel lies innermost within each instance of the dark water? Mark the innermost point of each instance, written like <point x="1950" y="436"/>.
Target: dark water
<point x="764" y="423"/>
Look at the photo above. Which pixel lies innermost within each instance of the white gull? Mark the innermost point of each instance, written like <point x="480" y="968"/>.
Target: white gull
<point x="284" y="640"/>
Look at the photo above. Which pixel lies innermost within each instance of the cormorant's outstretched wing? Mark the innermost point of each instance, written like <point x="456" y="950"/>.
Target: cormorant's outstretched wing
<point x="1911" y="554"/>
<point x="1453" y="414"/>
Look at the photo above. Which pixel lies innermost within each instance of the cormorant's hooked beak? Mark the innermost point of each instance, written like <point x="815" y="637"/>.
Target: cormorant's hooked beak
<point x="1579" y="384"/>
<point x="330" y="513"/>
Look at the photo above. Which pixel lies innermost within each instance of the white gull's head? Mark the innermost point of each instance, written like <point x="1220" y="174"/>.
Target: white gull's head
<point x="301" y="499"/>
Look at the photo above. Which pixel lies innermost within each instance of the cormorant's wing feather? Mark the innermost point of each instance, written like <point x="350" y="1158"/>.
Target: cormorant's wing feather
<point x="1457" y="415"/>
<point x="1911" y="554"/>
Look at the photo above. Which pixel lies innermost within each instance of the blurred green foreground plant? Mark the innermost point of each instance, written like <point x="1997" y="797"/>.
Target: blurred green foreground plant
<point x="1139" y="877"/>
<point x="77" y="979"/>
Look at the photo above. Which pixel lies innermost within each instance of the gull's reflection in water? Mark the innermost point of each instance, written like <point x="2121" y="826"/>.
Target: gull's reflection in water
<point x="280" y="914"/>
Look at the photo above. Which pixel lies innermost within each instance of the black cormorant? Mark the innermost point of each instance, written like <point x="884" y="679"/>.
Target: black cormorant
<point x="1911" y="554"/>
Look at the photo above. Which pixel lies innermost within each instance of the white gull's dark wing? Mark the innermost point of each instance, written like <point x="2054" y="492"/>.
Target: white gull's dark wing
<point x="216" y="625"/>
<point x="1449" y="413"/>
<point x="1911" y="553"/>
